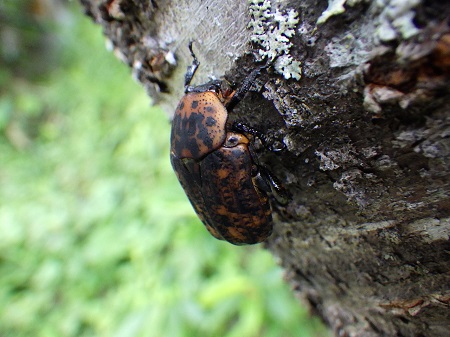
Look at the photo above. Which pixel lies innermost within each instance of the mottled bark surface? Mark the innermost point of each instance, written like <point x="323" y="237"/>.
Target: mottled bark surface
<point x="362" y="104"/>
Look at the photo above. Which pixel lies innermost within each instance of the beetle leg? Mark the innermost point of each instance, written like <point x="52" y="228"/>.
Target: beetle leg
<point x="191" y="69"/>
<point x="246" y="85"/>
<point x="260" y="182"/>
<point x="278" y="191"/>
<point x="265" y="180"/>
<point x="244" y="88"/>
<point x="270" y="184"/>
<point x="270" y="145"/>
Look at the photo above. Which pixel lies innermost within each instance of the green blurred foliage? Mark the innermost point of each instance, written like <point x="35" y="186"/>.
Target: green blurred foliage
<point x="97" y="236"/>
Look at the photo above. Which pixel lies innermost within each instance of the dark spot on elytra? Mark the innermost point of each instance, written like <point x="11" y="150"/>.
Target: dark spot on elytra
<point x="210" y="121"/>
<point x="194" y="104"/>
<point x="204" y="136"/>
<point x="186" y="129"/>
<point x="209" y="109"/>
<point x="181" y="106"/>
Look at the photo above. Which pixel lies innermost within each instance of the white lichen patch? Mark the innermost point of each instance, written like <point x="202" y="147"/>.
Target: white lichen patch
<point x="339" y="158"/>
<point x="349" y="185"/>
<point x="335" y="7"/>
<point x="289" y="67"/>
<point x="396" y="19"/>
<point x="273" y="30"/>
<point x="346" y="50"/>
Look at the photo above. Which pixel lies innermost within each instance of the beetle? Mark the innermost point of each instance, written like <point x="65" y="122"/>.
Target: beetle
<point x="216" y="165"/>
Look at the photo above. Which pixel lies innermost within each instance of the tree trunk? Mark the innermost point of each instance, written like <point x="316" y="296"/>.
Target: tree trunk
<point x="359" y="94"/>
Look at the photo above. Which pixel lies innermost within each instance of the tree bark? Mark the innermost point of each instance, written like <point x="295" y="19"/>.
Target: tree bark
<point x="359" y="94"/>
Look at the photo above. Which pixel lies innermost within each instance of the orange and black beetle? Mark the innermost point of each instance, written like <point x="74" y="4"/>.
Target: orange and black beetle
<point x="215" y="165"/>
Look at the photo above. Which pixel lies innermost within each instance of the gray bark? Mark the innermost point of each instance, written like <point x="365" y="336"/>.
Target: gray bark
<point x="365" y="239"/>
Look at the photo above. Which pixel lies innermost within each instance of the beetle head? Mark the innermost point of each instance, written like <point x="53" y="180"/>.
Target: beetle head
<point x="221" y="88"/>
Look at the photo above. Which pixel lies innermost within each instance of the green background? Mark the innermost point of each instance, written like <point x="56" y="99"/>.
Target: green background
<point x="96" y="236"/>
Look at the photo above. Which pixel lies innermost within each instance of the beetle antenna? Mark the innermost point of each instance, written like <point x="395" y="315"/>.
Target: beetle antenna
<point x="190" y="69"/>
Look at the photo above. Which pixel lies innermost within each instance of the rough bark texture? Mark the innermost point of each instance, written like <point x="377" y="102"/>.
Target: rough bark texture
<point x="365" y="238"/>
